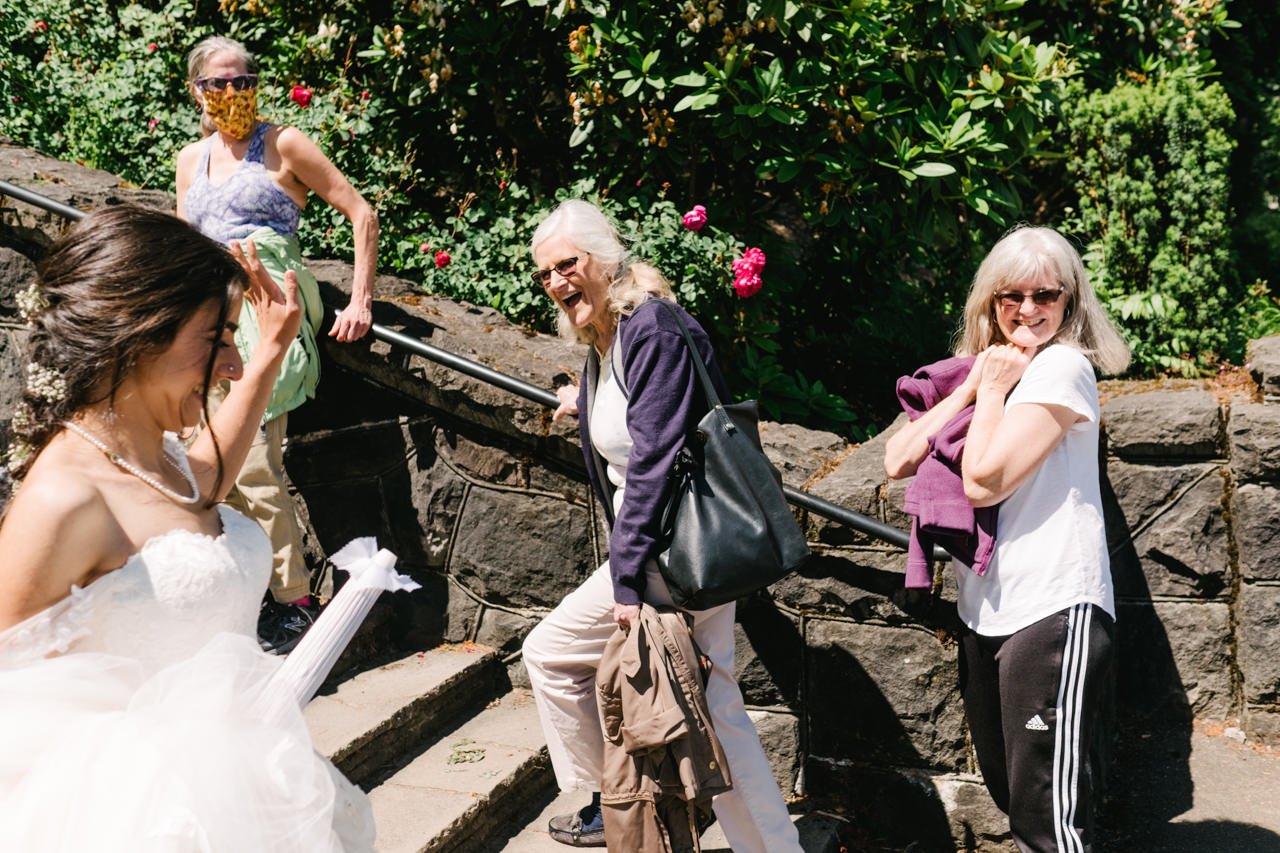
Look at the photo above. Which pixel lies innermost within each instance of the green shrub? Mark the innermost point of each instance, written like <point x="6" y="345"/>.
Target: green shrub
<point x="97" y="83"/>
<point x="874" y="150"/>
<point x="1151" y="167"/>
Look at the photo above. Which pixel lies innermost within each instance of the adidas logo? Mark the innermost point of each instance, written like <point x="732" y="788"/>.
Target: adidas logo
<point x="1036" y="724"/>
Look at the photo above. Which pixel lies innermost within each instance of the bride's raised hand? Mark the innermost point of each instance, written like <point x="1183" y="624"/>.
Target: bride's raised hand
<point x="278" y="310"/>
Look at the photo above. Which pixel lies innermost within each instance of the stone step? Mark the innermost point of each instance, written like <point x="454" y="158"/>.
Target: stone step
<point x="369" y="723"/>
<point x="818" y="832"/>
<point x="474" y="782"/>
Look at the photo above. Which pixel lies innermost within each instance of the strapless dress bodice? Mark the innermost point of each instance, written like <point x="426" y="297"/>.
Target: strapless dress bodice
<point x="162" y="605"/>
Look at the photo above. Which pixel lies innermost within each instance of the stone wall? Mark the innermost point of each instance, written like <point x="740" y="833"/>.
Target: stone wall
<point x="851" y="678"/>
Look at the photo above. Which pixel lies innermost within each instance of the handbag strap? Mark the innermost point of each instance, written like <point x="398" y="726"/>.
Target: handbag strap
<point x="592" y="378"/>
<point x="708" y="389"/>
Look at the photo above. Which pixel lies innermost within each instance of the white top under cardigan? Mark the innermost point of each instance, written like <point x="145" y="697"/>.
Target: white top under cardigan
<point x="1051" y="544"/>
<point x="609" y="434"/>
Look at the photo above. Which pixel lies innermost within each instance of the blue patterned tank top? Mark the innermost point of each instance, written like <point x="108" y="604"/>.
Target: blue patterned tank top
<point x="244" y="202"/>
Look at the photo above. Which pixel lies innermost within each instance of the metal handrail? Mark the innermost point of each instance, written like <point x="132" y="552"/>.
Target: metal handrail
<point x="800" y="498"/>
<point x="797" y="497"/>
<point x="37" y="200"/>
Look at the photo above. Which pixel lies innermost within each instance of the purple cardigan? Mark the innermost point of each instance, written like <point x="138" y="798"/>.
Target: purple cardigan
<point x="664" y="404"/>
<point x="943" y="515"/>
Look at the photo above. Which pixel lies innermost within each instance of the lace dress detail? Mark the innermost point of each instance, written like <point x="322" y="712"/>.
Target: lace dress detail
<point x="50" y="632"/>
<point x="127" y="716"/>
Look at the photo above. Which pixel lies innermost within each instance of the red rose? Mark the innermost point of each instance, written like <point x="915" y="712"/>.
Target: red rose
<point x="301" y="96"/>
<point x="41" y="26"/>
<point x="152" y="47"/>
<point x="442" y="259"/>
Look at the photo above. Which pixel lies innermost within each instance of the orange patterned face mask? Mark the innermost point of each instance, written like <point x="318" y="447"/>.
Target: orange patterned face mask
<point x="232" y="112"/>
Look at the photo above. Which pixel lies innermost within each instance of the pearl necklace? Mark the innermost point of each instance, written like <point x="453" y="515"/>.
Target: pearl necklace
<point x="125" y="465"/>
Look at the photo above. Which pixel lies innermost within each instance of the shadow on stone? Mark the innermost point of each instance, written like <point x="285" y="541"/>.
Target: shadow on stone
<point x="1209" y="836"/>
<point x="1151" y="717"/>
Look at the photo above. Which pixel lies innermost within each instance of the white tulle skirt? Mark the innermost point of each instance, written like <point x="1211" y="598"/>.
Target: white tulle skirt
<point x="97" y="756"/>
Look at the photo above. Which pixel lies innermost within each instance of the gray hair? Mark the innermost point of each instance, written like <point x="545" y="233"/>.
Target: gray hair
<point x="204" y="51"/>
<point x="631" y="283"/>
<point x="1027" y="254"/>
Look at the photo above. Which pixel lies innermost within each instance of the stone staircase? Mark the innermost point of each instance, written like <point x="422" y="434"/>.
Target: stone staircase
<point x="453" y="757"/>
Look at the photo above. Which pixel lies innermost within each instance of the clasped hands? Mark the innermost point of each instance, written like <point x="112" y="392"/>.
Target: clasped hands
<point x="997" y="369"/>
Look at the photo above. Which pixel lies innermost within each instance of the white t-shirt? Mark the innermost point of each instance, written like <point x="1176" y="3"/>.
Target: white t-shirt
<point x="608" y="427"/>
<point x="1051" y="545"/>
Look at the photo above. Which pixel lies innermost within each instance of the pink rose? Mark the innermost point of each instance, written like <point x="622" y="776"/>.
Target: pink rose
<point x="301" y="96"/>
<point x="747" y="286"/>
<point x="151" y="125"/>
<point x="746" y="273"/>
<point x="424" y="248"/>
<point x="752" y="261"/>
<point x="442" y="259"/>
<point x="696" y="218"/>
<point x="152" y="47"/>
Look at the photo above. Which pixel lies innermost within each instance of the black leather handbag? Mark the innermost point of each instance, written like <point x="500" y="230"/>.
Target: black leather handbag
<point x="727" y="524"/>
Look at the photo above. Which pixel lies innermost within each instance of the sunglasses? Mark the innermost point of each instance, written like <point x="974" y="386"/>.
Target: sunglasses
<point x="1015" y="298"/>
<point x="566" y="268"/>
<point x="219" y="84"/>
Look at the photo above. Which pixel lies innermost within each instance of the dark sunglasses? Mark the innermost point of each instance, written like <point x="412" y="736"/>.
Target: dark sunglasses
<point x="1015" y="298"/>
<point x="566" y="268"/>
<point x="219" y="84"/>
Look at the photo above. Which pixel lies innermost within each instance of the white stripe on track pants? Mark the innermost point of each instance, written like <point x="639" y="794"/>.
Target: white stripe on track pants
<point x="1034" y="699"/>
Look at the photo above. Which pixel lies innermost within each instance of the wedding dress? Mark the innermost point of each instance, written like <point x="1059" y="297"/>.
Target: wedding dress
<point x="131" y="716"/>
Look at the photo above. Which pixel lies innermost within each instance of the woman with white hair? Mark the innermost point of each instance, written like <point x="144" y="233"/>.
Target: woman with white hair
<point x="637" y="422"/>
<point x="1037" y="653"/>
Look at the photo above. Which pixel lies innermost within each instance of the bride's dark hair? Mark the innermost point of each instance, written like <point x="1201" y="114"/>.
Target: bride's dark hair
<point x="111" y="292"/>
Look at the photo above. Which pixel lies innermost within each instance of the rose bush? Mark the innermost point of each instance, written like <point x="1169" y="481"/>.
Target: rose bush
<point x="872" y="150"/>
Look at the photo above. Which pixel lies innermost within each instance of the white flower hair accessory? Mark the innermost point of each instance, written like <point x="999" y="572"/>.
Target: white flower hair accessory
<point x="31" y="302"/>
<point x="21" y="420"/>
<point x="45" y="383"/>
<point x="18" y="454"/>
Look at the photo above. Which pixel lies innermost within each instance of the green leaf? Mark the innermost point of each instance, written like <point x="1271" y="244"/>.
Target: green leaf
<point x="1044" y="55"/>
<point x="958" y="129"/>
<point x="632" y="86"/>
<point x="934" y="170"/>
<point x="693" y="78"/>
<point x="580" y="133"/>
<point x="699" y="101"/>
<point x="778" y="115"/>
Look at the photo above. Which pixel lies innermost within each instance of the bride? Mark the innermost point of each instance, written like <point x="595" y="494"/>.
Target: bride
<point x="131" y="685"/>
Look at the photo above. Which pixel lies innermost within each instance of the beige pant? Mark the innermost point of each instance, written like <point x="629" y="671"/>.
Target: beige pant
<point x="562" y="654"/>
<point x="261" y="494"/>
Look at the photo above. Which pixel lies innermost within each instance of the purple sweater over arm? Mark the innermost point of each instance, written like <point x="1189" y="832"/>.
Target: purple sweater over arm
<point x="664" y="404"/>
<point x="935" y="497"/>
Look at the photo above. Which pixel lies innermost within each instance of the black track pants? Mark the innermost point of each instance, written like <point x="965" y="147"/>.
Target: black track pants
<point x="1033" y="700"/>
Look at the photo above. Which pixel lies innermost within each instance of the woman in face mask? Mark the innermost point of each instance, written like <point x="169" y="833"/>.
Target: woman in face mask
<point x="247" y="180"/>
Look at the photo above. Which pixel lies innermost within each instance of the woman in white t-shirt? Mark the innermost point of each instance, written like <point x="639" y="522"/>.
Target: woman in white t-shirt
<point x="1037" y="652"/>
